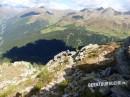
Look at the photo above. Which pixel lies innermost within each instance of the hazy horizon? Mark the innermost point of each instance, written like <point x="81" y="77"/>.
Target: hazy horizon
<point x="120" y="5"/>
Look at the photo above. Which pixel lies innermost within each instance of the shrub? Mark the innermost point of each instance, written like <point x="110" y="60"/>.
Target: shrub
<point x="44" y="78"/>
<point x="63" y="85"/>
<point x="8" y="91"/>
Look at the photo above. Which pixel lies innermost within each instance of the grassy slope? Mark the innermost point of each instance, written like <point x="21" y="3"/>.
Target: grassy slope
<point x="70" y="34"/>
<point x="23" y="31"/>
<point x="114" y="25"/>
<point x="76" y="36"/>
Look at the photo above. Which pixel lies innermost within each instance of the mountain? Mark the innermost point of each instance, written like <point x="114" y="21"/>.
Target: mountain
<point x="30" y="14"/>
<point x="100" y="8"/>
<point x="64" y="53"/>
<point x="88" y="25"/>
<point x="26" y="25"/>
<point x="107" y="21"/>
<point x="79" y="73"/>
<point x="90" y="70"/>
<point x="127" y="13"/>
<point x="8" y="12"/>
<point x="110" y="11"/>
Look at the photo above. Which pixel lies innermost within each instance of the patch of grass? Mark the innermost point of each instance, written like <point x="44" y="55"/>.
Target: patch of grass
<point x="5" y="60"/>
<point x="52" y="29"/>
<point x="89" y="93"/>
<point x="63" y="85"/>
<point x="78" y="36"/>
<point x="93" y="54"/>
<point x="44" y="78"/>
<point x="109" y="32"/>
<point x="8" y="91"/>
<point x="13" y="89"/>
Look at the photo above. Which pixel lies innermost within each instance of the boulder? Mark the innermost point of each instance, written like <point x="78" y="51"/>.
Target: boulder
<point x="94" y="56"/>
<point x="120" y="92"/>
<point x="63" y="58"/>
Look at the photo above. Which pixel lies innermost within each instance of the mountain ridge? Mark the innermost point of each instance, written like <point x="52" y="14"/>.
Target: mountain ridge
<point x="48" y="23"/>
<point x="69" y="72"/>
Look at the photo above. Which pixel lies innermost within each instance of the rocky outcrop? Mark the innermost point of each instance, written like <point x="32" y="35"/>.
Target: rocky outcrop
<point x="109" y="56"/>
<point x="15" y="73"/>
<point x="128" y="52"/>
<point x="93" y="56"/>
<point x="74" y="70"/>
<point x="122" y="61"/>
<point x="63" y="58"/>
<point x="106" y="56"/>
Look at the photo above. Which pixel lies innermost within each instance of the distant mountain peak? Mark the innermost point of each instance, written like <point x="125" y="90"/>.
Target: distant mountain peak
<point x="95" y="9"/>
<point x="109" y="11"/>
<point x="0" y="5"/>
<point x="32" y="13"/>
<point x="48" y="12"/>
<point x="100" y="8"/>
<point x="83" y="10"/>
<point x="127" y="13"/>
<point x="41" y="7"/>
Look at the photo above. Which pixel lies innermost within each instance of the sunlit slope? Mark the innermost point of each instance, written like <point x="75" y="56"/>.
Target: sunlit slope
<point x="82" y="27"/>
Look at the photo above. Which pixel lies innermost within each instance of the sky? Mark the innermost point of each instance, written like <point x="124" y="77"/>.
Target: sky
<point x="70" y="4"/>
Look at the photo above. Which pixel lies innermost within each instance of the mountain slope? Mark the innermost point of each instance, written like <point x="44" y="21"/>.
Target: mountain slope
<point x="68" y="74"/>
<point x="25" y="26"/>
<point x="37" y="23"/>
<point x="105" y="21"/>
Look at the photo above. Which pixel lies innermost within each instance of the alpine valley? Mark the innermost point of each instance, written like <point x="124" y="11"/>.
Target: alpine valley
<point x="59" y="53"/>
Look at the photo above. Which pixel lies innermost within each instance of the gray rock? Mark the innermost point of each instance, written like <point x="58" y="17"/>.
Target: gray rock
<point x="105" y="90"/>
<point x="106" y="72"/>
<point x="119" y="92"/>
<point x="122" y="62"/>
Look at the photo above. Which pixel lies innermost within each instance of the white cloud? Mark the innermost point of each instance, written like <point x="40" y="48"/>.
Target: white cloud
<point x="56" y="5"/>
<point x="73" y="4"/>
<point x="88" y="2"/>
<point x="116" y="4"/>
<point x="17" y="2"/>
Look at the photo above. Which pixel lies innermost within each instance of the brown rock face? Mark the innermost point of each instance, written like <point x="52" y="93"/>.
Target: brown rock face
<point x="90" y="57"/>
<point x="94" y="56"/>
<point x="128" y="52"/>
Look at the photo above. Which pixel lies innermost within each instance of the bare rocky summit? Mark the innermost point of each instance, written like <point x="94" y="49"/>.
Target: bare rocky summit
<point x="69" y="73"/>
<point x="73" y="79"/>
<point x="90" y="56"/>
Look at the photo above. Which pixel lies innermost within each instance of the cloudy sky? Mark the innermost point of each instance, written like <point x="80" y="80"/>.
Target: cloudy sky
<point x="70" y="4"/>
